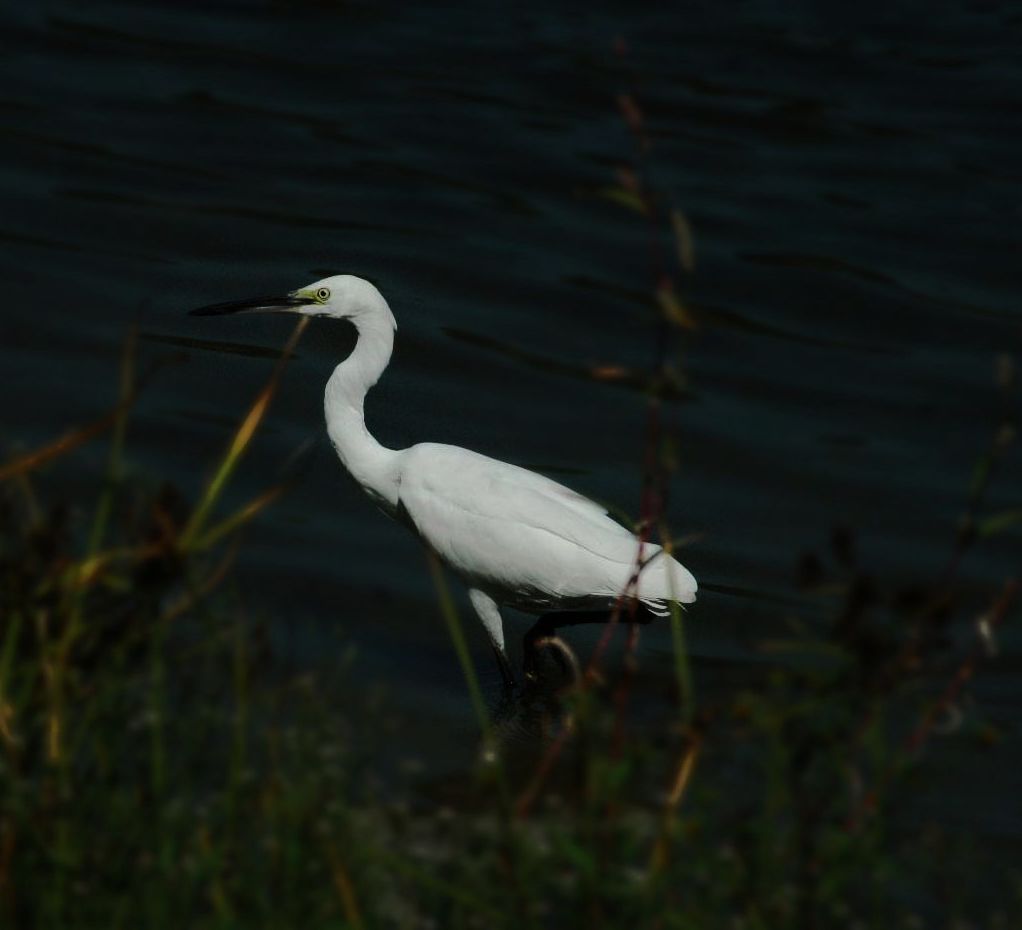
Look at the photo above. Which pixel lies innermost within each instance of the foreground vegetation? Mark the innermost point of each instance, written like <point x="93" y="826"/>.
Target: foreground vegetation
<point x="160" y="767"/>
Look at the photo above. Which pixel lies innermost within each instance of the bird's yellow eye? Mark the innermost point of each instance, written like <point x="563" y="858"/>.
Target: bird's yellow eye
<point x="323" y="294"/>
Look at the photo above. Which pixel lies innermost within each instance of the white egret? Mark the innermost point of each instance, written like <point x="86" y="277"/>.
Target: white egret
<point x="516" y="538"/>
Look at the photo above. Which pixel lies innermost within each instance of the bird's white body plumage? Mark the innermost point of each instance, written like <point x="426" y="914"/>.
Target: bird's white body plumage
<point x="524" y="539"/>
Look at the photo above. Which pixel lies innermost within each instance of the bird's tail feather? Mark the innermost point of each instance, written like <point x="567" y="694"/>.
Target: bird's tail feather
<point x="664" y="580"/>
<point x="659" y="609"/>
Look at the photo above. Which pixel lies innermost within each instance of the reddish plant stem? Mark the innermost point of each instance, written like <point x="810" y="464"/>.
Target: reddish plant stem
<point x="963" y="674"/>
<point x="653" y="498"/>
<point x="941" y="592"/>
<point x="994" y="618"/>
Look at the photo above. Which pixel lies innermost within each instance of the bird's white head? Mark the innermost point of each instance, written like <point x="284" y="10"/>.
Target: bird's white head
<point x="341" y="296"/>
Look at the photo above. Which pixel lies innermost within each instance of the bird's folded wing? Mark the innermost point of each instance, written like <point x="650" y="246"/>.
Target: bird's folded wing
<point x="444" y="488"/>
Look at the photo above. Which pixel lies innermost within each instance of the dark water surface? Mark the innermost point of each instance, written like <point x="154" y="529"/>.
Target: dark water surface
<point x="853" y="177"/>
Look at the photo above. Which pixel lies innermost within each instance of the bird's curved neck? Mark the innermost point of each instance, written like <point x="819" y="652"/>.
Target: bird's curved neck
<point x="373" y="466"/>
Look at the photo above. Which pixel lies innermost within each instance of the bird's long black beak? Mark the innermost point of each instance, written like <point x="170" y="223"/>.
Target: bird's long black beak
<point x="254" y="305"/>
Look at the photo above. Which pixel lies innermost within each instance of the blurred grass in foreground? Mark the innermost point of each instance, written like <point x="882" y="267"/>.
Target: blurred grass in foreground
<point x="154" y="771"/>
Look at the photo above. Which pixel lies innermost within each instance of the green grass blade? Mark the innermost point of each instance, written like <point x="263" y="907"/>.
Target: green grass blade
<point x="239" y="443"/>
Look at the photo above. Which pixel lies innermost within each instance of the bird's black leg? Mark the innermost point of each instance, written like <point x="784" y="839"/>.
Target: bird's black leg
<point x="504" y="665"/>
<point x="547" y="625"/>
<point x="545" y="629"/>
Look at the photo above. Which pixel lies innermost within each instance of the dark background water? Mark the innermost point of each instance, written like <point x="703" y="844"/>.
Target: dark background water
<point x="852" y="174"/>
